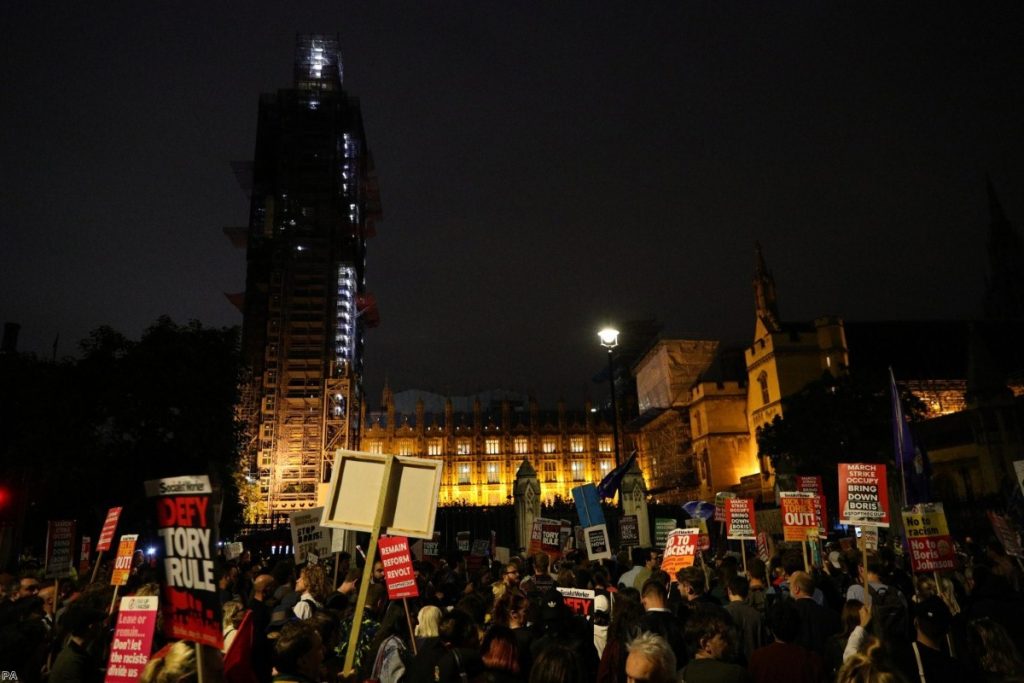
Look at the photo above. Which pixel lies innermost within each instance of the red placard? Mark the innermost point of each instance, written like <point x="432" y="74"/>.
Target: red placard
<point x="133" y="638"/>
<point x="185" y="524"/>
<point x="740" y="520"/>
<point x="813" y="485"/>
<point x="680" y="549"/>
<point x="398" y="572"/>
<point x="798" y="515"/>
<point x="60" y="548"/>
<point x="863" y="495"/>
<point x="546" y="537"/>
<point x="109" y="527"/>
<point x="123" y="561"/>
<point x="762" y="547"/>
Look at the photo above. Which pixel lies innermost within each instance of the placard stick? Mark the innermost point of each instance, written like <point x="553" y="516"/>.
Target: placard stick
<point x="337" y="561"/>
<point x="408" y="619"/>
<point x="864" y="567"/>
<point x="743" y="551"/>
<point x="199" y="662"/>
<point x="807" y="562"/>
<point x="113" y="601"/>
<point x="99" y="559"/>
<point x="371" y="552"/>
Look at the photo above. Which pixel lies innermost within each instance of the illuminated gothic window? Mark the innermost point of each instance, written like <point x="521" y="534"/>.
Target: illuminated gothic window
<point x="463" y="447"/>
<point x="604" y="444"/>
<point x="550" y="473"/>
<point x="698" y="420"/>
<point x="405" y="447"/>
<point x="492" y="473"/>
<point x="492" y="446"/>
<point x="762" y="379"/>
<point x="434" y="447"/>
<point x="548" y="445"/>
<point x="576" y="444"/>
<point x="375" y="446"/>
<point x="578" y="470"/>
<point x="463" y="474"/>
<point x="522" y="445"/>
<point x="605" y="466"/>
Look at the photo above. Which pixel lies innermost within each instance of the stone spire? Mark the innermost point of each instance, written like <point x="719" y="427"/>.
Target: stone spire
<point x="764" y="292"/>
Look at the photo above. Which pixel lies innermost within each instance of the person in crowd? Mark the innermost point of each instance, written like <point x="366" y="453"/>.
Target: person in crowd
<point x="76" y="663"/>
<point x="870" y="666"/>
<point x="650" y="659"/>
<point x="427" y="620"/>
<point x="378" y="572"/>
<point x="925" y="659"/>
<point x="627" y="611"/>
<point x="800" y="664"/>
<point x="992" y="652"/>
<point x="391" y="648"/>
<point x="762" y="593"/>
<point x="376" y="603"/>
<point x="258" y="605"/>
<point x="659" y="619"/>
<point x="231" y="617"/>
<point x="708" y="635"/>
<point x="455" y="654"/>
<point x="558" y="664"/>
<point x="817" y="623"/>
<point x="835" y="646"/>
<point x="747" y="621"/>
<point x="328" y="625"/>
<point x="313" y="589"/>
<point x="693" y="587"/>
<point x="500" y="656"/>
<point x="298" y="654"/>
<point x="177" y="663"/>
<point x="344" y="597"/>
<point x="645" y="560"/>
<point x="542" y="579"/>
<point x="600" y="620"/>
<point x="561" y="627"/>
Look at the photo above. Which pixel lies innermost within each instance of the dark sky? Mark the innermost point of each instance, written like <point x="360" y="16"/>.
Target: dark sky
<point x="544" y="167"/>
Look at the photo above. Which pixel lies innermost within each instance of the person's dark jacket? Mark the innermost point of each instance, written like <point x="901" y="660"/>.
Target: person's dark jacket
<point x="817" y="624"/>
<point x="668" y="626"/>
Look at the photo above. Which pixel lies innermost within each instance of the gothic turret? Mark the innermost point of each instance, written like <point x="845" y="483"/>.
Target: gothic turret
<point x="764" y="292"/>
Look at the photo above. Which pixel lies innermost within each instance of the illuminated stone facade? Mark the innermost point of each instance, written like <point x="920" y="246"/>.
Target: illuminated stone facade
<point x="483" y="447"/>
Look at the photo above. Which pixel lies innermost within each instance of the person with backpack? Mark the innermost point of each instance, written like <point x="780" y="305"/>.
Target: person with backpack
<point x="312" y="587"/>
<point x="890" y="615"/>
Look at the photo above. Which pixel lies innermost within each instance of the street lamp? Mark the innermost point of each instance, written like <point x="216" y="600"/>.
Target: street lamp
<point x="610" y="339"/>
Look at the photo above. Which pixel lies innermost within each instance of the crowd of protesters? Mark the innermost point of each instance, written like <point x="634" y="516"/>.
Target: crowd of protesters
<point x="507" y="622"/>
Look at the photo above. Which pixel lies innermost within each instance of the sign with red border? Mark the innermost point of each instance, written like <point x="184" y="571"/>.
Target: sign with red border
<point x="398" y="572"/>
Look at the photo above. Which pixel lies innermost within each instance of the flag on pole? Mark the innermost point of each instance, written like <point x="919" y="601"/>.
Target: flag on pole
<point x="611" y="482"/>
<point x="912" y="461"/>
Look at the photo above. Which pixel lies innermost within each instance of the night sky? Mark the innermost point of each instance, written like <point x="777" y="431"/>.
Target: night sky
<point x="545" y="168"/>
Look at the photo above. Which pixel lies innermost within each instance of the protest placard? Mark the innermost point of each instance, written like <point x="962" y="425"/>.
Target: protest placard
<point x="662" y="527"/>
<point x="812" y="484"/>
<point x="432" y="548"/>
<point x="588" y="505"/>
<point x="931" y="546"/>
<point x="701" y="525"/>
<point x="132" y="644"/>
<point x="868" y="535"/>
<point x="398" y="571"/>
<point x="798" y="515"/>
<point x="123" y="561"/>
<point x="598" y="545"/>
<point x="463" y="539"/>
<point x="308" y="537"/>
<point x="720" y="499"/>
<point x="83" y="556"/>
<point x="185" y="524"/>
<point x="233" y="550"/>
<point x="740" y="521"/>
<point x="1006" y="534"/>
<point x="580" y="601"/>
<point x="60" y="548"/>
<point x="680" y="549"/>
<point x="545" y="537"/>
<point x="107" y="532"/>
<point x="762" y="546"/>
<point x="863" y="494"/>
<point x="629" y="531"/>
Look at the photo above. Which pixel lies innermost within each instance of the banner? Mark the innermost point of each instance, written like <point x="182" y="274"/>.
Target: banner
<point x="598" y="544"/>
<point x="398" y="572"/>
<point x="580" y="601"/>
<point x="762" y="547"/>
<point x="740" y="521"/>
<point x="123" y="561"/>
<point x="720" y="498"/>
<point x="133" y="639"/>
<point x="546" y="537"/>
<point x="1006" y="534"/>
<point x="662" y="527"/>
<point x="185" y="523"/>
<point x="308" y="537"/>
<point x="863" y="495"/>
<point x="798" y="515"/>
<point x="680" y="549"/>
<point x="60" y="548"/>
<point x="109" y="527"/>
<point x="629" y="531"/>
<point x="432" y="548"/>
<point x="813" y="485"/>
<point x="931" y="546"/>
<point x="462" y="539"/>
<point x="83" y="557"/>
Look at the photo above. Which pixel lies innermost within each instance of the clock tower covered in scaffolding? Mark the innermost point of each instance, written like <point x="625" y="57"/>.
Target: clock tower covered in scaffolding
<point x="314" y="202"/>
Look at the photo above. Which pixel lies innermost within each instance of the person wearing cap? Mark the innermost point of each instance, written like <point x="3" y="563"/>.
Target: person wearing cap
<point x="75" y="664"/>
<point x="601" y="619"/>
<point x="925" y="660"/>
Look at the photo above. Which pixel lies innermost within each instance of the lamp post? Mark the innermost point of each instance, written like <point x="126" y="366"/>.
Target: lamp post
<point x="610" y="339"/>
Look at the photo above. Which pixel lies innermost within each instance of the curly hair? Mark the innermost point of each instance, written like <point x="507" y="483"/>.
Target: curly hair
<point x="869" y="666"/>
<point x="315" y="576"/>
<point x="993" y="650"/>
